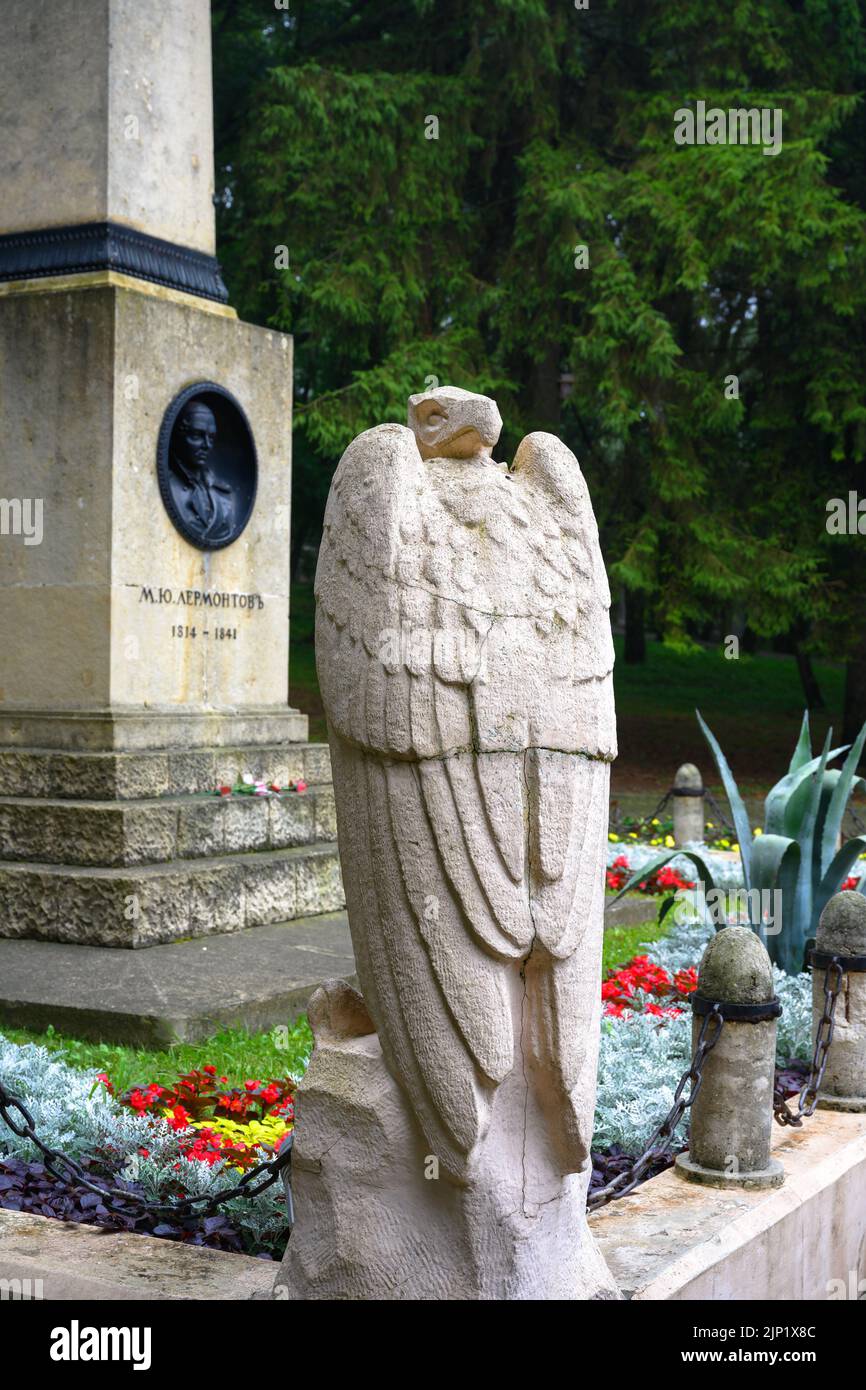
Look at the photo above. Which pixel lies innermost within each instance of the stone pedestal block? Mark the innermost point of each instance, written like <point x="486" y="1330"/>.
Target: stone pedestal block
<point x="110" y="617"/>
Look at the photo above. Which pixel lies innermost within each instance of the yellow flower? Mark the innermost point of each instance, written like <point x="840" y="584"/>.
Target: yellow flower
<point x="613" y="837"/>
<point x="710" y="825"/>
<point x="632" y="835"/>
<point x="736" y="847"/>
<point x="725" y="844"/>
<point x="670" y="842"/>
<point x="655" y="842"/>
<point x="757" y="830"/>
<point x="655" y="821"/>
<point x="267" y="1132"/>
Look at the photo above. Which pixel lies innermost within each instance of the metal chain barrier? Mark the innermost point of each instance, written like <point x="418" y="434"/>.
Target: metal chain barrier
<point x="663" y="1136"/>
<point x="808" y="1098"/>
<point x="687" y="791"/>
<point x="617" y="819"/>
<point x="718" y="812"/>
<point x="67" y="1171"/>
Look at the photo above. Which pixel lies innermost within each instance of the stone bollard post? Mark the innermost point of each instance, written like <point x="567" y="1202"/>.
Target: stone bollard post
<point x="732" y="1117"/>
<point x="842" y="932"/>
<point x="688" y="797"/>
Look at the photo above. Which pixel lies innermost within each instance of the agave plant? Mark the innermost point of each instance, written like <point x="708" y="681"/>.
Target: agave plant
<point x="793" y="869"/>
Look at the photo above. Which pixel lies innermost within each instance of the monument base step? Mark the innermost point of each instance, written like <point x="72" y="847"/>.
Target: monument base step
<point x="183" y="991"/>
<point x="117" y="834"/>
<point x="77" y="774"/>
<point x="150" y="904"/>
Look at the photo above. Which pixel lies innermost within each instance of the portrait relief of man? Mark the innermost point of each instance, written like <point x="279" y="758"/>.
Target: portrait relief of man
<point x="205" y="502"/>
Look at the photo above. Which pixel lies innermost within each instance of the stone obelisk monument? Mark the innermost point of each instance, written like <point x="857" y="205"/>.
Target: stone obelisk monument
<point x="144" y="500"/>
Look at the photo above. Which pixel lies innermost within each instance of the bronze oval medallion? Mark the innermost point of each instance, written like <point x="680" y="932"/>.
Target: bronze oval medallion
<point x="207" y="467"/>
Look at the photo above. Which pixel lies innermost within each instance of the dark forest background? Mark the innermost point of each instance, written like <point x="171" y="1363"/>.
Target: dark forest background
<point x="407" y="258"/>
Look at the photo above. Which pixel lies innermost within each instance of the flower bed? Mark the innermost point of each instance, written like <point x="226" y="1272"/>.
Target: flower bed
<point x="196" y="1135"/>
<point x="259" y="786"/>
<point x="641" y="986"/>
<point x="664" y="880"/>
<point x="159" y="1142"/>
<point x="630" y="858"/>
<point x="659" y="832"/>
<point x="216" y="1121"/>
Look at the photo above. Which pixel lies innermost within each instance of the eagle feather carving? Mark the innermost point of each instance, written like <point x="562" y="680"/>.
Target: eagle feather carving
<point x="465" y="660"/>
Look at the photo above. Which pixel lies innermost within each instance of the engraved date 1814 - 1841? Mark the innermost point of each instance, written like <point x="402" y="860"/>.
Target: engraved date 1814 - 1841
<point x="207" y="467"/>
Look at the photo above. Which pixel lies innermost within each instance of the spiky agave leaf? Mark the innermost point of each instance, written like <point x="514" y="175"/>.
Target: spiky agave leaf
<point x="845" y="783"/>
<point x="775" y="867"/>
<point x="787" y="803"/>
<point x="803" y="752"/>
<point x="836" y="873"/>
<point x="792" y="945"/>
<point x="735" y="801"/>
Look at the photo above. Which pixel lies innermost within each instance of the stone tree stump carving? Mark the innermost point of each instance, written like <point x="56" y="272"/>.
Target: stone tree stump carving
<point x="465" y="659"/>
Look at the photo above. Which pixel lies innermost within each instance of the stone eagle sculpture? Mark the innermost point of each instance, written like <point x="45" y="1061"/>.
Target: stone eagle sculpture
<point x="465" y="662"/>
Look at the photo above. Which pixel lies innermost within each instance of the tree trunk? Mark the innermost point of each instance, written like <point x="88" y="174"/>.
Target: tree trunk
<point x="635" y="636"/>
<point x="808" y="679"/>
<point x="300" y="531"/>
<point x="855" y="692"/>
<point x="543" y="391"/>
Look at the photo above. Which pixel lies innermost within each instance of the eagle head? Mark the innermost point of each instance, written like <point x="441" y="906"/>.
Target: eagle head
<point x="454" y="424"/>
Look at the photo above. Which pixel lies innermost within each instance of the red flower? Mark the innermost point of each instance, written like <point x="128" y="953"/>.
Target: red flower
<point x="211" y="1071"/>
<point x="300" y="786"/>
<point x="662" y="881"/>
<point x="640" y="984"/>
<point x="225" y="791"/>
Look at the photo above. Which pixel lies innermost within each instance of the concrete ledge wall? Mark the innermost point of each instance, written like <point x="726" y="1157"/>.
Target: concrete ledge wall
<point x="41" y="1258"/>
<point x="804" y="1241"/>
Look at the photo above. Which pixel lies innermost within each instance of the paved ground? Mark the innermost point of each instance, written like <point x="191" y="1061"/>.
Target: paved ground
<point x="187" y="990"/>
<point x="184" y="991"/>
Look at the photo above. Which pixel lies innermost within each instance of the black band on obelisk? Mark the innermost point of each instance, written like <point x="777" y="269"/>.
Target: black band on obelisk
<point x="91" y="246"/>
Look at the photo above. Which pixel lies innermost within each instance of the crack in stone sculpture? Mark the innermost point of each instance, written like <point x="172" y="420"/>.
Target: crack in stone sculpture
<point x="464" y="650"/>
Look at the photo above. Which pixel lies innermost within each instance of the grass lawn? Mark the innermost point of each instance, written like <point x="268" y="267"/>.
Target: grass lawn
<point x="239" y="1055"/>
<point x="675" y="682"/>
<point x="621" y="943"/>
